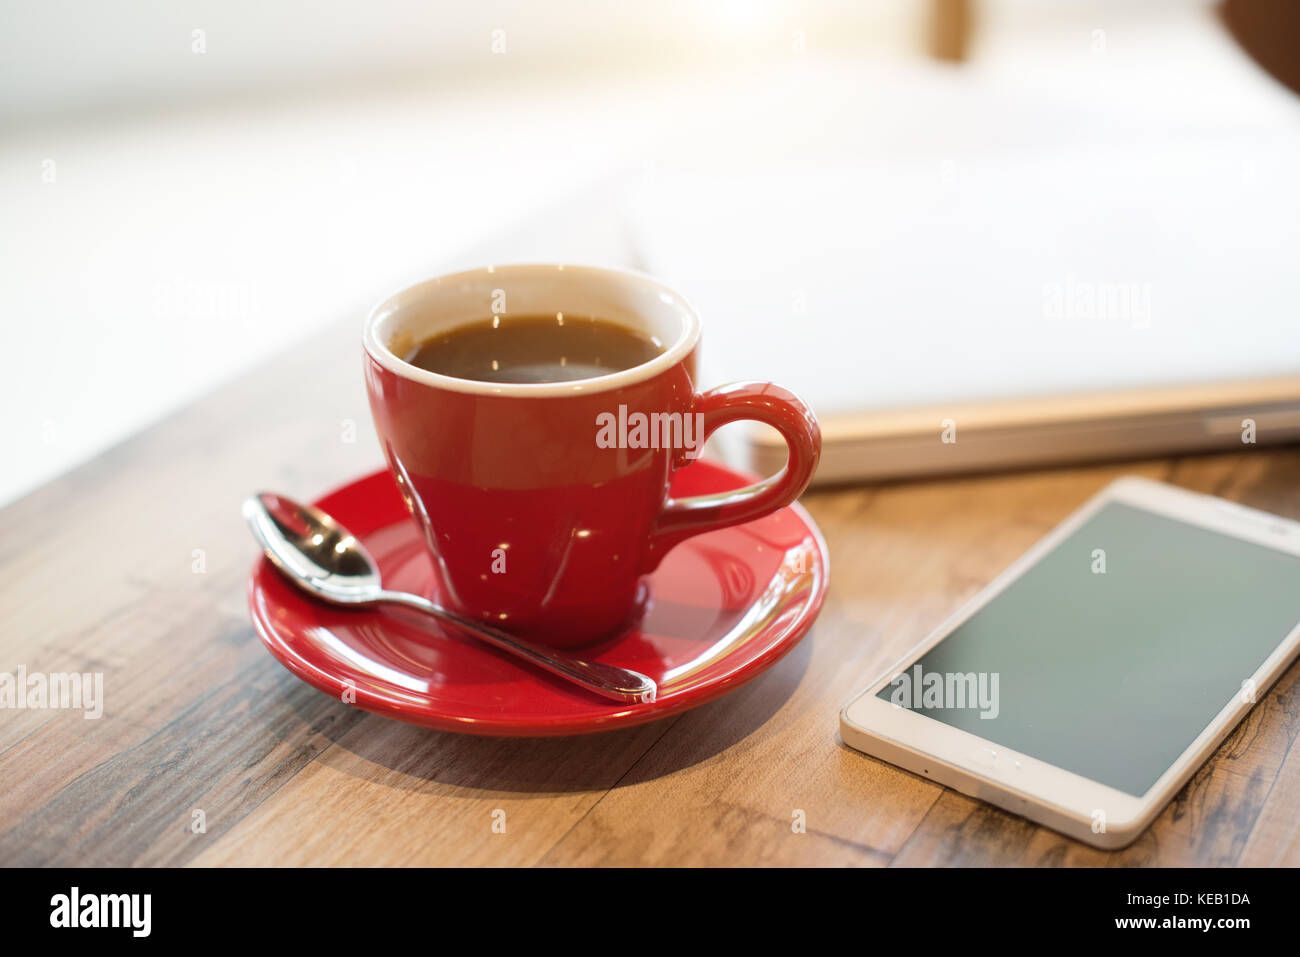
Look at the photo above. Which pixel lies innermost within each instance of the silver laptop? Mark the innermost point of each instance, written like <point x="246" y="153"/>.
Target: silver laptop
<point x="1024" y="311"/>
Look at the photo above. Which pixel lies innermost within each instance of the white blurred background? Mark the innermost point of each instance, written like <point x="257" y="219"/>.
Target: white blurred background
<point x="214" y="181"/>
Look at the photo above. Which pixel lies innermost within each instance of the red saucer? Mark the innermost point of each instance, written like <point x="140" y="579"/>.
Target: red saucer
<point x="722" y="608"/>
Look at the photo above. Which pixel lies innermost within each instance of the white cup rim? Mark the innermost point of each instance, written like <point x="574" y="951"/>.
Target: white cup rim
<point x="686" y="340"/>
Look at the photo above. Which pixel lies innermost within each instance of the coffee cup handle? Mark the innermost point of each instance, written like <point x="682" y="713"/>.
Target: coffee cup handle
<point x="764" y="402"/>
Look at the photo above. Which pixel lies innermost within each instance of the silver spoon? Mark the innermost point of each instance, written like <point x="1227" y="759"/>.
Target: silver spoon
<point x="323" y="558"/>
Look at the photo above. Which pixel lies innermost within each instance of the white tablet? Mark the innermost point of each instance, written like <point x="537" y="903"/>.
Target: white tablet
<point x="1088" y="682"/>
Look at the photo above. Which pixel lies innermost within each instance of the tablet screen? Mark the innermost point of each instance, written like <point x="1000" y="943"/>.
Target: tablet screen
<point x="1115" y="650"/>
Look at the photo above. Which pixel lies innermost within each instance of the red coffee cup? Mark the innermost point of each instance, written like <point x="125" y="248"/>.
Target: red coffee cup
<point x="543" y="504"/>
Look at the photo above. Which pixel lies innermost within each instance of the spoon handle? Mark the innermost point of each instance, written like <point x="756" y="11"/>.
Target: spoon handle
<point x="620" y="684"/>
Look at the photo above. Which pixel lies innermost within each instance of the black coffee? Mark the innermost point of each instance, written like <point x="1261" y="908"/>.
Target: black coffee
<point x="546" y="348"/>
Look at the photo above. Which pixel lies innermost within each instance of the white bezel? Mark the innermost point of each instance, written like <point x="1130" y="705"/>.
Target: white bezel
<point x="1024" y="785"/>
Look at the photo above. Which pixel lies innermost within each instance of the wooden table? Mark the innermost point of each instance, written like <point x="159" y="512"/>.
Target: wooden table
<point x="135" y="565"/>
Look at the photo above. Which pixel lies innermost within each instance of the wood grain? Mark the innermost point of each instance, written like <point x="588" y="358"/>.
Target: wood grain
<point x="199" y="717"/>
